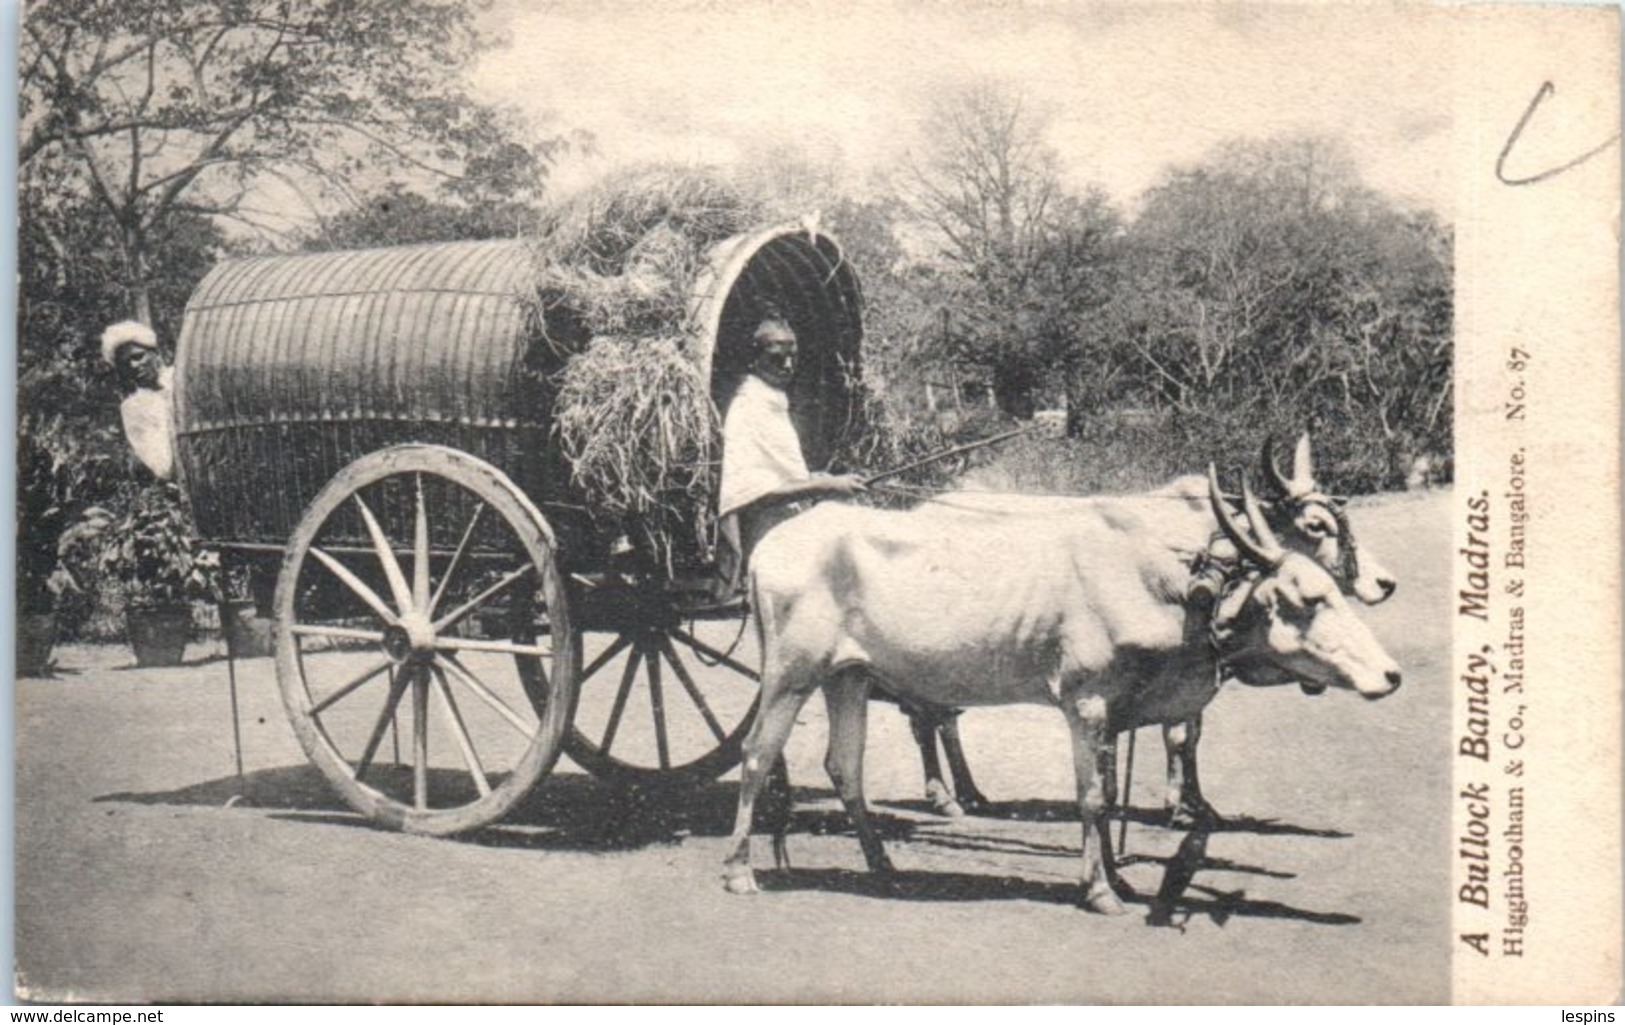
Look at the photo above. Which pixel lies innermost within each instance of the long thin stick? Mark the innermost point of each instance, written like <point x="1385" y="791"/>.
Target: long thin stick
<point x="1123" y="798"/>
<point x="947" y="454"/>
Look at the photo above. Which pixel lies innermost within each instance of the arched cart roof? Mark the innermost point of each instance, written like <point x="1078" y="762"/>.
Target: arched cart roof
<point x="804" y="274"/>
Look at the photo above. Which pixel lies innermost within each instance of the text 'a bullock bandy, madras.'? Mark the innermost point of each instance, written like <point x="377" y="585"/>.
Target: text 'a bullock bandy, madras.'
<point x="1491" y="881"/>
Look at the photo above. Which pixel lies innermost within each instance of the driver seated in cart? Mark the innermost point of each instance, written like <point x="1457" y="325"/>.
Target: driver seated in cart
<point x="765" y="480"/>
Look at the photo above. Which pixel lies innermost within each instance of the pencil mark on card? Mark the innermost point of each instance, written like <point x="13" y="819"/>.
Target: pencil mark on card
<point x="1545" y="92"/>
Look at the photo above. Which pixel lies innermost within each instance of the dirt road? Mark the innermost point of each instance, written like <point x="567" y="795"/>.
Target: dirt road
<point x="137" y="882"/>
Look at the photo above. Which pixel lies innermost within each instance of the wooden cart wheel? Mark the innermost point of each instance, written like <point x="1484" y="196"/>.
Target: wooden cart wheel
<point x="424" y="647"/>
<point x="664" y="705"/>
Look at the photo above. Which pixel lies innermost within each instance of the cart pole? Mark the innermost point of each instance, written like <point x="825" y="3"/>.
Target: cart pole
<point x="1123" y="802"/>
<point x="236" y="722"/>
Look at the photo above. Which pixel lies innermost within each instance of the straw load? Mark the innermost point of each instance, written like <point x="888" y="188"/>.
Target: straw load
<point x="615" y="270"/>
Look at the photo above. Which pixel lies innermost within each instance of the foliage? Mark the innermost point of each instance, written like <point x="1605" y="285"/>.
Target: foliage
<point x="154" y="108"/>
<point x="1268" y="288"/>
<point x="399" y="215"/>
<point x="1024" y="260"/>
<point x="149" y="551"/>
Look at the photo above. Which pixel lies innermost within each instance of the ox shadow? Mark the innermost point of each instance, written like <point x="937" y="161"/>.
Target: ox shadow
<point x="1220" y="906"/>
<point x="1216" y="905"/>
<point x="1149" y="816"/>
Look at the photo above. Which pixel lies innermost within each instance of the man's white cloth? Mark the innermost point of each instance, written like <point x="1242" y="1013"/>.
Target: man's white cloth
<point x="147" y="413"/>
<point x="760" y="449"/>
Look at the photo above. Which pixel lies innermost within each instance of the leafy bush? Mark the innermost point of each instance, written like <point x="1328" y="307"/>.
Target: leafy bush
<point x="148" y="552"/>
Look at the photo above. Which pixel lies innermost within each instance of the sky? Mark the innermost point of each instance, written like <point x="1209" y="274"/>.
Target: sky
<point x="1130" y="90"/>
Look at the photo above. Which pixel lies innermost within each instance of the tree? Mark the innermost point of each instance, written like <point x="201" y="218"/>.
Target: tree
<point x="398" y="215"/>
<point x="1268" y="288"/>
<point x="231" y="109"/>
<point x="1027" y="260"/>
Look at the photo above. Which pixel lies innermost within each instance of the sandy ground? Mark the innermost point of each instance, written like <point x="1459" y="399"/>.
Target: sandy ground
<point x="136" y="881"/>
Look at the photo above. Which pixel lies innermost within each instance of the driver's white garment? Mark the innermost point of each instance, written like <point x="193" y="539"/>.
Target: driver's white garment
<point x="760" y="449"/>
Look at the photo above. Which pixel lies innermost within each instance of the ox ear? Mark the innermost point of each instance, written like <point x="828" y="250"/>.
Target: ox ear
<point x="1228" y="614"/>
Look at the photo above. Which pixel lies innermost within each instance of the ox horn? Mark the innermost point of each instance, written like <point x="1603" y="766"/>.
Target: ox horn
<point x="1264" y="552"/>
<point x="1260" y="526"/>
<point x="1303" y="464"/>
<point x="1272" y="470"/>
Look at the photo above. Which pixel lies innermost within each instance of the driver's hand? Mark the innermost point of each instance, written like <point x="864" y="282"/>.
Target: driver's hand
<point x="843" y="484"/>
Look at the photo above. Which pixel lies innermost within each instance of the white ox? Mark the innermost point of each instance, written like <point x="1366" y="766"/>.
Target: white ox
<point x="1087" y="611"/>
<point x="1302" y="515"/>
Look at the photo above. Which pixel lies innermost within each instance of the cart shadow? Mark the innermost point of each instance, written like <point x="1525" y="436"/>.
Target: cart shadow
<point x="570" y="811"/>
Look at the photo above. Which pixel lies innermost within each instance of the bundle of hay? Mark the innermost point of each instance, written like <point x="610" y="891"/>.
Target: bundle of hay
<point x="635" y="418"/>
<point x="620" y="259"/>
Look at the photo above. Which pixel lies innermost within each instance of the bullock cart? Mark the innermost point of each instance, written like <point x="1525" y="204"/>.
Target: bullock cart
<point x="368" y="437"/>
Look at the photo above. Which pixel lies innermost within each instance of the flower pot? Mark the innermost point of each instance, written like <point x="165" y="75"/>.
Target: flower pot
<point x="248" y="634"/>
<point x="36" y="636"/>
<point x="159" y="633"/>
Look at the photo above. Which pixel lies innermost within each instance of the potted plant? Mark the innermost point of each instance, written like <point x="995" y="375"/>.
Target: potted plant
<point x="246" y="632"/>
<point x="51" y="474"/>
<point x="149" y="552"/>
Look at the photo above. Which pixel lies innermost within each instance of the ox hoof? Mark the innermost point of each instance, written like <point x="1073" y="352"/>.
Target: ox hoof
<point x="1102" y="900"/>
<point x="741" y="883"/>
<point x="942" y="802"/>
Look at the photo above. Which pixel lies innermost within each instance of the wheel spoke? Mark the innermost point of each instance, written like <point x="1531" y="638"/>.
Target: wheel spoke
<point x="456" y="560"/>
<point x="620" y="698"/>
<point x="657" y="706"/>
<point x="346" y="633"/>
<point x="465" y="743"/>
<point x="354" y="583"/>
<point x="386" y="556"/>
<point x="420" y="551"/>
<point x="715" y="655"/>
<point x="397" y="687"/>
<point x="349" y="688"/>
<point x="474" y="644"/>
<point x="453" y="618"/>
<point x="420" y="740"/>
<point x="694" y="694"/>
<point x="484" y="693"/>
<point x="616" y="646"/>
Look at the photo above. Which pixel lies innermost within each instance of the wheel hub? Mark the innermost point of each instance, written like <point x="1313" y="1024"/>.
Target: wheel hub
<point x="410" y="640"/>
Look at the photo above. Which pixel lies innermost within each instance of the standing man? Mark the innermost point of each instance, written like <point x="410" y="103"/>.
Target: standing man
<point x="144" y="380"/>
<point x="764" y="475"/>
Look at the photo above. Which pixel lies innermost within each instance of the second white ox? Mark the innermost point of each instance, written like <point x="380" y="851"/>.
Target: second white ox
<point x="1087" y="611"/>
<point x="1299" y="513"/>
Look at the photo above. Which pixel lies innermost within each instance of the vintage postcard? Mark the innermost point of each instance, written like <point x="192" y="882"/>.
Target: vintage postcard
<point x="883" y="502"/>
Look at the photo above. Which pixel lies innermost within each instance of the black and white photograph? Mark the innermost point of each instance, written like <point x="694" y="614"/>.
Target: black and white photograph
<point x="874" y="502"/>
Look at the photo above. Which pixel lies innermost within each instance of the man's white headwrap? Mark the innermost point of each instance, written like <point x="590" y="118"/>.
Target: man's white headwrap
<point x="127" y="332"/>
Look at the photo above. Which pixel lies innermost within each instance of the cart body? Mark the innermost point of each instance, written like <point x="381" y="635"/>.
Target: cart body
<point x="370" y="433"/>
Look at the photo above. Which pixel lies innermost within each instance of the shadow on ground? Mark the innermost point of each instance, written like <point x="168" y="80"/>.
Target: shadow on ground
<point x="949" y="887"/>
<point x="573" y="812"/>
<point x="567" y="812"/>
